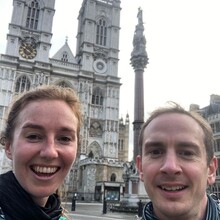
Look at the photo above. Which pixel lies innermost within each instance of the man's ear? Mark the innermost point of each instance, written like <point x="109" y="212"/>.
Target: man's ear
<point x="8" y="150"/>
<point x="139" y="167"/>
<point x="213" y="165"/>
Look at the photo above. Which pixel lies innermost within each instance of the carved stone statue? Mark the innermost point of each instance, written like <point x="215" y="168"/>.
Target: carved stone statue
<point x="140" y="16"/>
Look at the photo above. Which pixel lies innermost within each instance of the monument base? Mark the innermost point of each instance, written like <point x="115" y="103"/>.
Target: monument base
<point x="133" y="199"/>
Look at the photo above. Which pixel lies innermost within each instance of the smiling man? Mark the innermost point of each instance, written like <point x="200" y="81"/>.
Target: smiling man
<point x="176" y="164"/>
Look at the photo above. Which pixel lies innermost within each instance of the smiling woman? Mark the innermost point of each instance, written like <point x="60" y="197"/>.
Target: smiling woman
<point x="41" y="139"/>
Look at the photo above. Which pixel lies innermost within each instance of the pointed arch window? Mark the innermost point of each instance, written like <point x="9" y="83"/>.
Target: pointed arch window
<point x="101" y="32"/>
<point x="64" y="57"/>
<point x="63" y="84"/>
<point x="23" y="84"/>
<point x="91" y="155"/>
<point x="113" y="177"/>
<point x="33" y="15"/>
<point x="97" y="97"/>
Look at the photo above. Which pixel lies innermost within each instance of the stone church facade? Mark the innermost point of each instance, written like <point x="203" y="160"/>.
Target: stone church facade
<point x="92" y="72"/>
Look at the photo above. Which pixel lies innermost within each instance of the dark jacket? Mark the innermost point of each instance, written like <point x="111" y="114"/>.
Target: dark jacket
<point x="17" y="204"/>
<point x="212" y="211"/>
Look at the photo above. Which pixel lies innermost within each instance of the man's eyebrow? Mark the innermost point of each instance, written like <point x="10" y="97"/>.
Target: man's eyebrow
<point x="187" y="143"/>
<point x="190" y="144"/>
<point x="180" y="144"/>
<point x="153" y="143"/>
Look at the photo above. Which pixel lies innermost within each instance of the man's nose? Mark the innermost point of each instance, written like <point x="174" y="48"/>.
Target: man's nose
<point x="49" y="149"/>
<point x="171" y="164"/>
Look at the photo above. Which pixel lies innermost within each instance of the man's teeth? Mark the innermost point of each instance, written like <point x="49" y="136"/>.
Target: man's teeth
<point x="172" y="188"/>
<point x="46" y="170"/>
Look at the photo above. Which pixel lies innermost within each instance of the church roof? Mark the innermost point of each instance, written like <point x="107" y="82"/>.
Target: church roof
<point x="65" y="54"/>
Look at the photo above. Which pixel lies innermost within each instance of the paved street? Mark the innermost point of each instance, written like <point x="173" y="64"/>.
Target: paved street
<point x="93" y="211"/>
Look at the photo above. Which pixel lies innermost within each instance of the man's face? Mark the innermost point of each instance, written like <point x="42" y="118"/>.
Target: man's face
<point x="174" y="167"/>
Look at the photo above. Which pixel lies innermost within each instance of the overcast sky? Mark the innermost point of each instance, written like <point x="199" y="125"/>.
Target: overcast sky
<point x="183" y="45"/>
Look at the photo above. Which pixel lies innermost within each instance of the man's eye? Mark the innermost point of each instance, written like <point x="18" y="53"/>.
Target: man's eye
<point x="155" y="153"/>
<point x="186" y="153"/>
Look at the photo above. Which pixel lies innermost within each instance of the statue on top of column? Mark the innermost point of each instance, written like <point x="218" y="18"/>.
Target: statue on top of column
<point x="139" y="57"/>
<point x="140" y="16"/>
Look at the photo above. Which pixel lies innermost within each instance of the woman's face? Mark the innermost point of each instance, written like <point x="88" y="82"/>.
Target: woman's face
<point x="43" y="147"/>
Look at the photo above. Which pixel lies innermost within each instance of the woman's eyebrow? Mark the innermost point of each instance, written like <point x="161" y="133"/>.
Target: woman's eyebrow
<point x="32" y="125"/>
<point x="40" y="127"/>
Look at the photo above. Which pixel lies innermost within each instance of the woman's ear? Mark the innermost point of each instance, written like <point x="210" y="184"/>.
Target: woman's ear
<point x="8" y="150"/>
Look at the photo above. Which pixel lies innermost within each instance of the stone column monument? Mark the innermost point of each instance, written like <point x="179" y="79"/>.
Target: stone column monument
<point x="139" y="61"/>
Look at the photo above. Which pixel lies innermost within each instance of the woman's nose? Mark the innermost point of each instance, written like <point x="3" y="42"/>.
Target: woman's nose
<point x="49" y="149"/>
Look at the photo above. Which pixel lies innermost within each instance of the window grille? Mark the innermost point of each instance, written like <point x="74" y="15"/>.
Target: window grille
<point x="64" y="57"/>
<point x="33" y="15"/>
<point x="101" y="32"/>
<point x="22" y="84"/>
<point x="97" y="97"/>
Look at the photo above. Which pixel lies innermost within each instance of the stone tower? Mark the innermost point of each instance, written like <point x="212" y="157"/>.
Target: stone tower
<point x="97" y="52"/>
<point x="29" y="36"/>
<point x="26" y="60"/>
<point x="139" y="61"/>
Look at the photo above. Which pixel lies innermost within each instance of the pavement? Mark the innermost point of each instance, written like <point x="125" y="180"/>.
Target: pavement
<point x="94" y="211"/>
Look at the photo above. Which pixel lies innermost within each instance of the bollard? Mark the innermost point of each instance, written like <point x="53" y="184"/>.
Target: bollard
<point x="104" y="210"/>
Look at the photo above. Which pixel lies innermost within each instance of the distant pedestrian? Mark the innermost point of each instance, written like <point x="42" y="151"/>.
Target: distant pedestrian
<point x="140" y="208"/>
<point x="73" y="208"/>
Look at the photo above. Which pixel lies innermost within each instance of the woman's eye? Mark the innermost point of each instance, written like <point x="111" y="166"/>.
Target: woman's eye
<point x="64" y="139"/>
<point x="34" y="137"/>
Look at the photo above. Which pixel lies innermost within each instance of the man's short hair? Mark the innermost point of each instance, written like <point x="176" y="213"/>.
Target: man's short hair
<point x="175" y="108"/>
